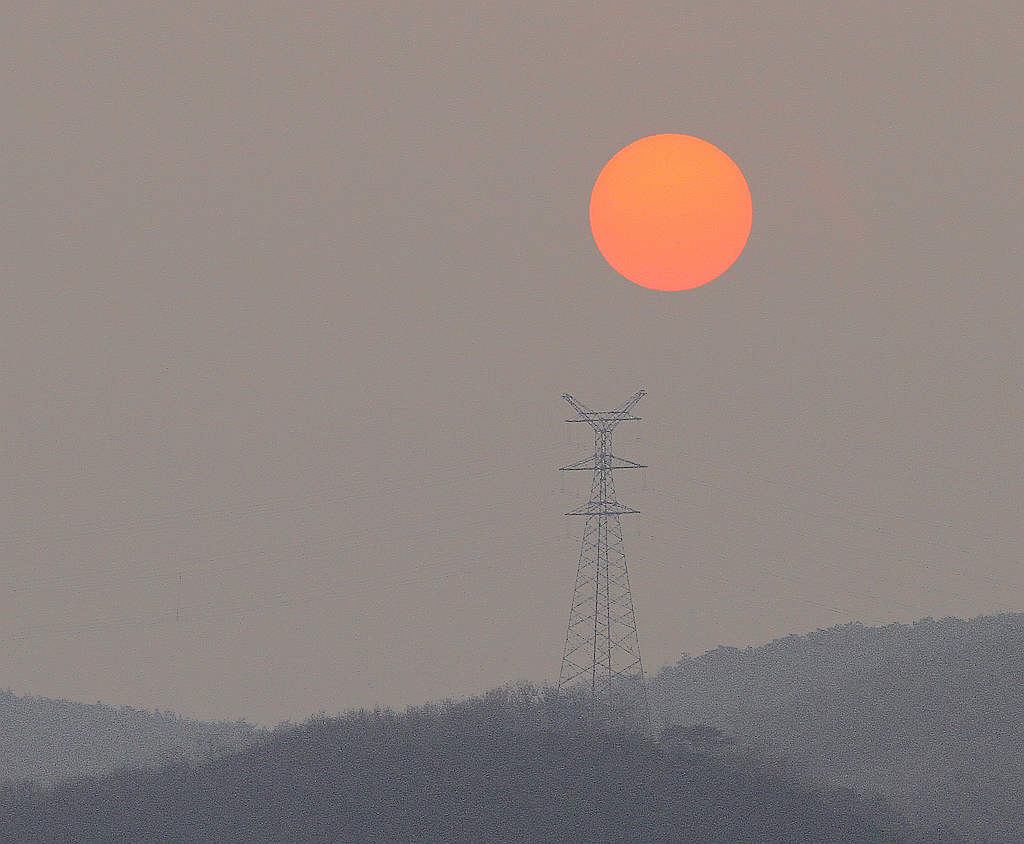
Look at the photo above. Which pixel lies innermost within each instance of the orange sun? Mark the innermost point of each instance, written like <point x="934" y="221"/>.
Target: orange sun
<point x="671" y="212"/>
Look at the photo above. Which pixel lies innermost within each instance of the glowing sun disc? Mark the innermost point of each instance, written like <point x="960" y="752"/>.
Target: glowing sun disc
<point x="671" y="212"/>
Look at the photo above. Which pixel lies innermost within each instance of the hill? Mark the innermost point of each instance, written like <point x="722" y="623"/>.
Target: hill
<point x="511" y="766"/>
<point x="928" y="714"/>
<point x="46" y="740"/>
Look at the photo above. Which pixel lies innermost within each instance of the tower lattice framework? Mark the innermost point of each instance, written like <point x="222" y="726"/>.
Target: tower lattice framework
<point x="602" y="648"/>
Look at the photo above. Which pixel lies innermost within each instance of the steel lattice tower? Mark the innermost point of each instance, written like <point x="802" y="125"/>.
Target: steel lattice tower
<point x="602" y="649"/>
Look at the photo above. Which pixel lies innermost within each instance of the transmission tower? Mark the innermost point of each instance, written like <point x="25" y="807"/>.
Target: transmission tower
<point x="602" y="649"/>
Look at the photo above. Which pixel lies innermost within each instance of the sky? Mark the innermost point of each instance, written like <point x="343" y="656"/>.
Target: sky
<point x="292" y="294"/>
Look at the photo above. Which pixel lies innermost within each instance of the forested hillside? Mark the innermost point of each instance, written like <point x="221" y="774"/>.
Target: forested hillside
<point x="930" y="714"/>
<point x="509" y="767"/>
<point x="46" y="740"/>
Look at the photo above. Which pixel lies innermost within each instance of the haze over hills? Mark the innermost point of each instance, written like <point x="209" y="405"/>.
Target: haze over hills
<point x="46" y="740"/>
<point x="510" y="766"/>
<point x="927" y="718"/>
<point x="929" y="714"/>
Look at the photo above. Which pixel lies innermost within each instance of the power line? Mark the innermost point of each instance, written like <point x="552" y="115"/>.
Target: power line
<point x="821" y="494"/>
<point x="143" y="570"/>
<point x="133" y="525"/>
<point x="972" y="573"/>
<point x="352" y="586"/>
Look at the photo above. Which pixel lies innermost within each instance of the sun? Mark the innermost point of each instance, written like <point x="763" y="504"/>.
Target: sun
<point x="671" y="212"/>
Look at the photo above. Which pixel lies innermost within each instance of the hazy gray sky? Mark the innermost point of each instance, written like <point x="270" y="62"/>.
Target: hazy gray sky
<point x="292" y="292"/>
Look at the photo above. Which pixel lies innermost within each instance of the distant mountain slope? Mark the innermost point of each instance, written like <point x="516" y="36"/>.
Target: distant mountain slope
<point x="46" y="740"/>
<point x="504" y="768"/>
<point x="930" y="714"/>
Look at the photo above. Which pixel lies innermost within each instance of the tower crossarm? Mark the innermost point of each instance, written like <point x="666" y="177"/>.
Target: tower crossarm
<point x="603" y="508"/>
<point x="631" y="402"/>
<point x="604" y="420"/>
<point x="589" y="464"/>
<point x="585" y="413"/>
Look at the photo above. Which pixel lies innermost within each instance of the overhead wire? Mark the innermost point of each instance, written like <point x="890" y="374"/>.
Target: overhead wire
<point x="141" y="570"/>
<point x="282" y="505"/>
<point x="131" y="525"/>
<point x="817" y="493"/>
<point x="903" y="556"/>
<point x="184" y="615"/>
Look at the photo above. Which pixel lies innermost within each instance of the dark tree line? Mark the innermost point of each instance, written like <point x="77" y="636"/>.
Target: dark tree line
<point x="514" y="765"/>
